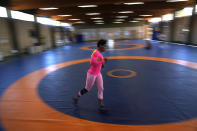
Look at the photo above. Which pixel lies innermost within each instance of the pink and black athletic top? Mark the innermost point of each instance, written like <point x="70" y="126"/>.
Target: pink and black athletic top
<point x="96" y="63"/>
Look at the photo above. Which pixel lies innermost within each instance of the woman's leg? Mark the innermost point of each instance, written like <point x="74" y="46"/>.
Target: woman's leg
<point x="99" y="83"/>
<point x="90" y="79"/>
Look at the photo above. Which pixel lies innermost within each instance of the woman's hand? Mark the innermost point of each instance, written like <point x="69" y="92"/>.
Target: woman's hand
<point x="105" y="59"/>
<point x="103" y="66"/>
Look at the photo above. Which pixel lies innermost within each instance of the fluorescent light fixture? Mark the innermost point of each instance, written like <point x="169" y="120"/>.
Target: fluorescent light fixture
<point x="155" y="20"/>
<point x="3" y="12"/>
<point x="86" y="6"/>
<point x="117" y="22"/>
<point x="126" y="12"/>
<point x="51" y="8"/>
<point x="134" y="21"/>
<point x="80" y="22"/>
<point x="73" y="19"/>
<point x="64" y="15"/>
<point x="96" y="18"/>
<point x="176" y="0"/>
<point x="134" y="3"/>
<point x="93" y="13"/>
<point x="146" y="15"/>
<point x="21" y="16"/>
<point x="138" y="18"/>
<point x="121" y="16"/>
<point x="100" y="21"/>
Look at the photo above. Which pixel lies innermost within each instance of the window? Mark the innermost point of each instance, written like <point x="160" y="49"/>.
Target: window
<point x="167" y="17"/>
<point x="46" y="21"/>
<point x="184" y="12"/>
<point x="196" y="9"/>
<point x="3" y="12"/>
<point x="22" y="16"/>
<point x="155" y="20"/>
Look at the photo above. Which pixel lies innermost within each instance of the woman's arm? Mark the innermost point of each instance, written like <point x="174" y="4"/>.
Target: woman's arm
<point x="96" y="60"/>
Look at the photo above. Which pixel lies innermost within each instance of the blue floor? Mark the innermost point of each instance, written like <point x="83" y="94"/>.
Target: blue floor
<point x="13" y="70"/>
<point x="17" y="68"/>
<point x="158" y="93"/>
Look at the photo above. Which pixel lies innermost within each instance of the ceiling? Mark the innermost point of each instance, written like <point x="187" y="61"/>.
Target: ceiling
<point x="108" y="9"/>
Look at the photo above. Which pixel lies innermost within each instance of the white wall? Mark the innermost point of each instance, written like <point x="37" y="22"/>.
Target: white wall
<point x="166" y="30"/>
<point x="114" y="33"/>
<point x="5" y="43"/>
<point x="46" y="36"/>
<point x="180" y="25"/>
<point x="58" y="40"/>
<point x="23" y="33"/>
<point x="194" y="38"/>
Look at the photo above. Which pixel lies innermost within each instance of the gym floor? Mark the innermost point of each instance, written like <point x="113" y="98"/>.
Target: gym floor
<point x="144" y="89"/>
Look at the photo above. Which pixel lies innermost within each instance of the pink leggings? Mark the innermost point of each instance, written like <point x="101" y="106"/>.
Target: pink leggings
<point x="90" y="80"/>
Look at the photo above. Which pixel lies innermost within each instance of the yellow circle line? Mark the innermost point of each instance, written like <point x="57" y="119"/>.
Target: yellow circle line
<point x="137" y="46"/>
<point x="132" y="73"/>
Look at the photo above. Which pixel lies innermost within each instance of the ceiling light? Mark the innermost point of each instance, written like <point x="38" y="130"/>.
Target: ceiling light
<point x="80" y="22"/>
<point x="121" y="16"/>
<point x="51" y="8"/>
<point x="96" y="18"/>
<point x="93" y="13"/>
<point x="99" y="21"/>
<point x="138" y="18"/>
<point x="86" y="6"/>
<point x="146" y="15"/>
<point x="134" y="3"/>
<point x="64" y="15"/>
<point x="117" y="22"/>
<point x="133" y="21"/>
<point x="74" y="19"/>
<point x="126" y="12"/>
<point x="176" y="0"/>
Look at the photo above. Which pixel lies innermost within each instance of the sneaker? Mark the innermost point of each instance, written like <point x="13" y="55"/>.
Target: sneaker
<point x="103" y="109"/>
